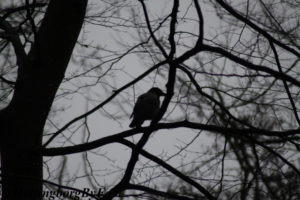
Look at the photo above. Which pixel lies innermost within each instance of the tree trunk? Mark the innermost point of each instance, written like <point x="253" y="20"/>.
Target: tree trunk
<point x="39" y="76"/>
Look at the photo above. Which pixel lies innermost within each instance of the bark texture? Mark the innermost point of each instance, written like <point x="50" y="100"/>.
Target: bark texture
<point x="39" y="76"/>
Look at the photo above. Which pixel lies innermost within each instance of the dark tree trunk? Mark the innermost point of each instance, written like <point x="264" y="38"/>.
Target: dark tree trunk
<point x="39" y="76"/>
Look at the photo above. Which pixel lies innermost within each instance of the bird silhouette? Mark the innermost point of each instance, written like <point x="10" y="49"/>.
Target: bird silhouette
<point x="146" y="107"/>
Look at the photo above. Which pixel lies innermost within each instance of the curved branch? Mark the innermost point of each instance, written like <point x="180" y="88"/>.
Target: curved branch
<point x="168" y="195"/>
<point x="150" y="30"/>
<point x="90" y="145"/>
<point x="286" y="87"/>
<point x="7" y="81"/>
<point x="182" y="124"/>
<point x="255" y="27"/>
<point x="198" y="88"/>
<point x="275" y="153"/>
<point x="116" y="92"/>
<point x="170" y="90"/>
<point x="250" y="65"/>
<point x="171" y="169"/>
<point x="201" y="22"/>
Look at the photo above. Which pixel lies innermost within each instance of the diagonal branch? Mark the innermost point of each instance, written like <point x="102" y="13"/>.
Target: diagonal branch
<point x="7" y="81"/>
<point x="116" y="92"/>
<point x="252" y="139"/>
<point x="284" y="82"/>
<point x="250" y="65"/>
<point x="168" y="195"/>
<point x="141" y="143"/>
<point x="255" y="27"/>
<point x="198" y="88"/>
<point x="198" y="46"/>
<point x="151" y="31"/>
<point x="171" y="169"/>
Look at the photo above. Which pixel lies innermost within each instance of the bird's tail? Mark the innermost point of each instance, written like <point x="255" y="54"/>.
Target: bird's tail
<point x="131" y="125"/>
<point x="135" y="123"/>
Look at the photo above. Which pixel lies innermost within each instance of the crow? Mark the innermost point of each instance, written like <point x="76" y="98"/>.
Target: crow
<point x="146" y="107"/>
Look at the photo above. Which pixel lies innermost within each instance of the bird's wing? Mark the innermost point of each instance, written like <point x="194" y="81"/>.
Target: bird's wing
<point x="139" y="104"/>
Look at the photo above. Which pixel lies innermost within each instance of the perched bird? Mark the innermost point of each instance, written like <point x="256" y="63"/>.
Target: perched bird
<point x="146" y="107"/>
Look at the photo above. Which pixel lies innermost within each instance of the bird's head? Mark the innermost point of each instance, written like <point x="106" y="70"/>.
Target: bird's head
<point x="157" y="91"/>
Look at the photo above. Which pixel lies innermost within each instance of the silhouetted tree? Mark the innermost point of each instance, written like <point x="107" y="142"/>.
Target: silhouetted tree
<point x="41" y="55"/>
<point x="229" y="70"/>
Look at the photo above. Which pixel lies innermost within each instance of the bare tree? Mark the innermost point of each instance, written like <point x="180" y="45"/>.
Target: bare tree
<point x="38" y="75"/>
<point x="233" y="80"/>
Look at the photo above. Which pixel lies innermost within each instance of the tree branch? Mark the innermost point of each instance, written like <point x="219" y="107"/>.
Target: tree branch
<point x="274" y="153"/>
<point x="250" y="65"/>
<point x="150" y="30"/>
<point x="172" y="29"/>
<point x="171" y="169"/>
<point x="182" y="124"/>
<point x="168" y="195"/>
<point x="12" y="35"/>
<point x="198" y="88"/>
<point x="10" y="11"/>
<point x="201" y="26"/>
<point x="7" y="81"/>
<point x="255" y="27"/>
<point x="116" y="92"/>
<point x="284" y="83"/>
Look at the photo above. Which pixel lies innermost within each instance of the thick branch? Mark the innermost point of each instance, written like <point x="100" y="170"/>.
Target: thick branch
<point x="201" y="22"/>
<point x="39" y="76"/>
<point x="168" y="195"/>
<point x="182" y="124"/>
<point x="172" y="29"/>
<point x="12" y="35"/>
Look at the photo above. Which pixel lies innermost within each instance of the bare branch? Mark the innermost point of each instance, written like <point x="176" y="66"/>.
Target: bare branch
<point x="150" y="30"/>
<point x="255" y="27"/>
<point x="181" y="124"/>
<point x="29" y="17"/>
<point x="284" y="82"/>
<point x="188" y="73"/>
<point x="12" y="35"/>
<point x="201" y="22"/>
<point x="172" y="29"/>
<point x="7" y="81"/>
<point x="275" y="153"/>
<point x="116" y="92"/>
<point x="250" y="65"/>
<point x="157" y="192"/>
<point x="171" y="169"/>
<point x="10" y="11"/>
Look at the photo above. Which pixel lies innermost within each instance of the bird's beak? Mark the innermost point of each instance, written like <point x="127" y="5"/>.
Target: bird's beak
<point x="163" y="94"/>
